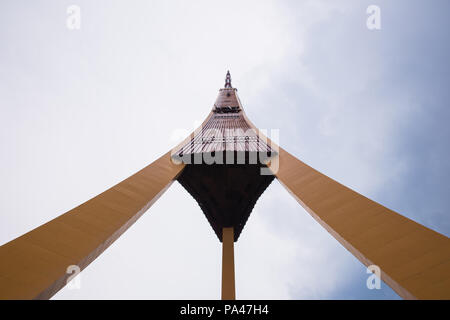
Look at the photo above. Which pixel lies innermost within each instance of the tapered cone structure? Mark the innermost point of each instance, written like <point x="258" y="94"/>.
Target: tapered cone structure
<point x="414" y="260"/>
<point x="224" y="159"/>
<point x="34" y="266"/>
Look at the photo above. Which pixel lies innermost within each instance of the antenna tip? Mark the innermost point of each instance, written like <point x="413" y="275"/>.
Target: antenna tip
<point x="228" y="80"/>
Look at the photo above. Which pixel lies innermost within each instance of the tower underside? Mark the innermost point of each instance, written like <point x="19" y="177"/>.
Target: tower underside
<point x="225" y="193"/>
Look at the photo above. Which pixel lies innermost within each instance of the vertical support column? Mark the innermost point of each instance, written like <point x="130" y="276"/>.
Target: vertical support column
<point x="228" y="283"/>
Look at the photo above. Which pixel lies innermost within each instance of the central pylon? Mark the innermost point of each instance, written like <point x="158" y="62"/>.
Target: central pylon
<point x="228" y="279"/>
<point x="223" y="162"/>
<point x="226" y="165"/>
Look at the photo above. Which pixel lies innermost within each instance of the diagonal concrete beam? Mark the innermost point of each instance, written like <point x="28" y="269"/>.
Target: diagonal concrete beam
<point x="414" y="260"/>
<point x="228" y="274"/>
<point x="34" y="265"/>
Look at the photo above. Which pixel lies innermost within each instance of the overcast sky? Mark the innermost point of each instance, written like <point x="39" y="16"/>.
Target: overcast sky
<point x="81" y="110"/>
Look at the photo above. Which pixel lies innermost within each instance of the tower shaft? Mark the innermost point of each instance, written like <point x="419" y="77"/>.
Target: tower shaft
<point x="228" y="279"/>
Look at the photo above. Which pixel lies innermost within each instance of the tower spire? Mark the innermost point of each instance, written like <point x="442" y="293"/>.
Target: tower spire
<point x="228" y="80"/>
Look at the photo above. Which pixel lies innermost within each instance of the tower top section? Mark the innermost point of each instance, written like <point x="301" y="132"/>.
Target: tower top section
<point x="228" y="80"/>
<point x="227" y="101"/>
